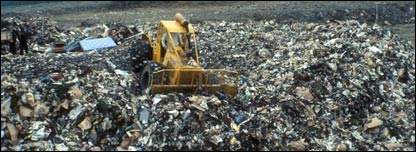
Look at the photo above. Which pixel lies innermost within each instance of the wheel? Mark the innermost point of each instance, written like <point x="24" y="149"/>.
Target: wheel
<point x="146" y="76"/>
<point x="140" y="51"/>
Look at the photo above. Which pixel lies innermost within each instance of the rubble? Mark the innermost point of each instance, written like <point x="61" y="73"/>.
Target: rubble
<point x="339" y="85"/>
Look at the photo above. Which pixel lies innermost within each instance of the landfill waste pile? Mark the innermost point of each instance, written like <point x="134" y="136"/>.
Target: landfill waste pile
<point x="44" y="32"/>
<point x="339" y="85"/>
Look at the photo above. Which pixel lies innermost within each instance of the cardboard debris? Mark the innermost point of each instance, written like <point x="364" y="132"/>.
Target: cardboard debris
<point x="13" y="133"/>
<point x="25" y="112"/>
<point x="85" y="124"/>
<point x="375" y="122"/>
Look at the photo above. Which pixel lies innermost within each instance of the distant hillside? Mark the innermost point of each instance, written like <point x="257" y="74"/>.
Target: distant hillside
<point x="18" y="3"/>
<point x="21" y="3"/>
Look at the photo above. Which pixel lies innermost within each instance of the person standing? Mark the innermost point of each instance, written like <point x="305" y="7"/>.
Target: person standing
<point x="23" y="41"/>
<point x="13" y="42"/>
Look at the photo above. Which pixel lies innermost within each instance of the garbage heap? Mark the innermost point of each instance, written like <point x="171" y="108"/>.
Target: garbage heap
<point x="44" y="32"/>
<point x="340" y="85"/>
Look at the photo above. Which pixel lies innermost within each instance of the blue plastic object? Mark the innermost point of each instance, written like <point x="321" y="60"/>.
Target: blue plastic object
<point x="97" y="44"/>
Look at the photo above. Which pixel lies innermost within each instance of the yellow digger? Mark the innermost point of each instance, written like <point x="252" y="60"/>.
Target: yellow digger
<point x="170" y="62"/>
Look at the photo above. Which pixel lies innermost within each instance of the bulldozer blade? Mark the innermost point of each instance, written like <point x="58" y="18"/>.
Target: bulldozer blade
<point x="192" y="80"/>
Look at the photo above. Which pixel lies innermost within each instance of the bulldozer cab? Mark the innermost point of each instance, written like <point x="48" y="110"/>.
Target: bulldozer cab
<point x="173" y="39"/>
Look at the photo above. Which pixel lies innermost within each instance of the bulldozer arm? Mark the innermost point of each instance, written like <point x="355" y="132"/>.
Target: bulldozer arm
<point x="191" y="80"/>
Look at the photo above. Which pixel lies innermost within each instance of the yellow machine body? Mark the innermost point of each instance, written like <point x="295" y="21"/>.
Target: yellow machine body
<point x="175" y="48"/>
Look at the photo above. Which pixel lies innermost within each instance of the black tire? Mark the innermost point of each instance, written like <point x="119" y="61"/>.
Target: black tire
<point x="140" y="51"/>
<point x="146" y="76"/>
